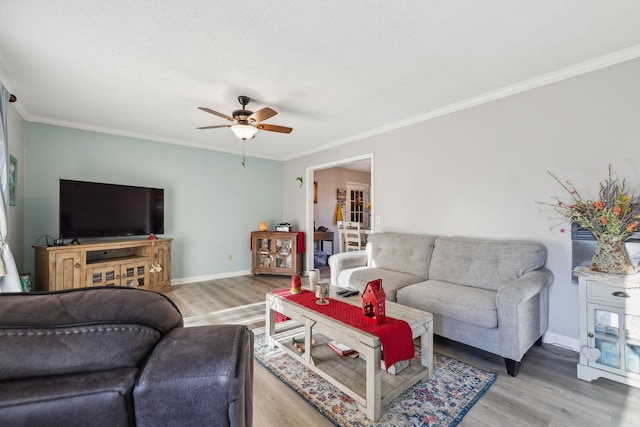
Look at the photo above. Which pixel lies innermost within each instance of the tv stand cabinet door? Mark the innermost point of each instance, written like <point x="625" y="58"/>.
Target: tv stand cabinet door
<point x="160" y="281"/>
<point x="67" y="269"/>
<point x="135" y="275"/>
<point x="103" y="276"/>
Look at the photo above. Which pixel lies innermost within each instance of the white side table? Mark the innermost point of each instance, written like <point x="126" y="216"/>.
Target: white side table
<point x="609" y="326"/>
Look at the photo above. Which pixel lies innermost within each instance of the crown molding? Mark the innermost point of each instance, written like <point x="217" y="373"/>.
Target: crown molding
<point x="543" y="80"/>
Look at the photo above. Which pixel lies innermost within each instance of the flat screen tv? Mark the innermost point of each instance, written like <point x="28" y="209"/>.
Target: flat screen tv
<point x="93" y="209"/>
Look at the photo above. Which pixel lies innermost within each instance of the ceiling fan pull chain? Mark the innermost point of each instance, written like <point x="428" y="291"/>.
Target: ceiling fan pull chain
<point x="243" y="157"/>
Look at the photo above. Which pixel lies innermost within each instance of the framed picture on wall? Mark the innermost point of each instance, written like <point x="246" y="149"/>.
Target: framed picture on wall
<point x="341" y="195"/>
<point x="13" y="180"/>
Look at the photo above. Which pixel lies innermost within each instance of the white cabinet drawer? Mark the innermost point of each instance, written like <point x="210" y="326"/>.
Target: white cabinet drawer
<point x="613" y="294"/>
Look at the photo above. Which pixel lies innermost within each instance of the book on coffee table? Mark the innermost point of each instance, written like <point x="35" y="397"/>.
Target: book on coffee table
<point x="341" y="349"/>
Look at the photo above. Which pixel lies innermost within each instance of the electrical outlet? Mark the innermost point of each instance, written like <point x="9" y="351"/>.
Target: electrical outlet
<point x="229" y="257"/>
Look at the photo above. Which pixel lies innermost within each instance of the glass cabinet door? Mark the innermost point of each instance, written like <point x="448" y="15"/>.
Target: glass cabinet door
<point x="103" y="276"/>
<point x="606" y="328"/>
<point x="616" y="333"/>
<point x="610" y="353"/>
<point x="632" y="347"/>
<point x="283" y="252"/>
<point x="134" y="275"/>
<point x="263" y="253"/>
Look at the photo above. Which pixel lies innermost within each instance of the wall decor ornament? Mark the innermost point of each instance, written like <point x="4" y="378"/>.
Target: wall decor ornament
<point x="612" y="218"/>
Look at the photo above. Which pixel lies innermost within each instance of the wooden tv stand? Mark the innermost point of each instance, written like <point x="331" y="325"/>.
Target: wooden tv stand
<point x="127" y="263"/>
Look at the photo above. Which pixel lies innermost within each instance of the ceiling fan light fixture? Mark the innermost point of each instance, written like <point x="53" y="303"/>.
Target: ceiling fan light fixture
<point x="244" y="132"/>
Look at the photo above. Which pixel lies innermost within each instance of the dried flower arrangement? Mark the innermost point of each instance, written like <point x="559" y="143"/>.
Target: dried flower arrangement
<point x="616" y="211"/>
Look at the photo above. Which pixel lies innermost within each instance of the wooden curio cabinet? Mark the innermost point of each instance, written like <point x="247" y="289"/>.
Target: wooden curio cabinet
<point x="276" y="252"/>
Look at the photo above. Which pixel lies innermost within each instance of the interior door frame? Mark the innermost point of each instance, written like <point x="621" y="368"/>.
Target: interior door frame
<point x="309" y="187"/>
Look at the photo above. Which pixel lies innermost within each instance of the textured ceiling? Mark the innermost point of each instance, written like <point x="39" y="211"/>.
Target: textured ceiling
<point x="335" y="71"/>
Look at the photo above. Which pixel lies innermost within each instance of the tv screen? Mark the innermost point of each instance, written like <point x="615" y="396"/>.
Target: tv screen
<point x="92" y="209"/>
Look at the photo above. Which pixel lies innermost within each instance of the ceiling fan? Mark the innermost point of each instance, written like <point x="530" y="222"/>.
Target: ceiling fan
<point x="246" y="123"/>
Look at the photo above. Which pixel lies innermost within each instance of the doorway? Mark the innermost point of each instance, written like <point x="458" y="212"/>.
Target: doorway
<point x="363" y="163"/>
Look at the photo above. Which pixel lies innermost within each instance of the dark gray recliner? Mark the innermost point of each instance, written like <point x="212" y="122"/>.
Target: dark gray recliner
<point x="119" y="357"/>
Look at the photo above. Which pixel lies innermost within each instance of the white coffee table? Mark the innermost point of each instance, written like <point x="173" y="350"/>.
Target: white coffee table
<point x="371" y="387"/>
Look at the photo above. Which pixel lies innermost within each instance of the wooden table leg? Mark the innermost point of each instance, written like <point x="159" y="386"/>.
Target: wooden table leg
<point x="426" y="351"/>
<point x="308" y="338"/>
<point x="270" y="326"/>
<point x="373" y="405"/>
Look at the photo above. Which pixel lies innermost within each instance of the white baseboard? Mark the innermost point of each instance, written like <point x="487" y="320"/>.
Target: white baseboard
<point x="185" y="280"/>
<point x="551" y="338"/>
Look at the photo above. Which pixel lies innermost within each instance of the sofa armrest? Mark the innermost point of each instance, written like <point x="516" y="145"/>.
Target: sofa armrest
<point x="345" y="260"/>
<point x="198" y="376"/>
<point x="525" y="287"/>
<point x="523" y="312"/>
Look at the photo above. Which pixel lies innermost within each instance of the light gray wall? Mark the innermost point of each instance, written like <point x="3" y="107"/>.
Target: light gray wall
<point x="479" y="172"/>
<point x="16" y="213"/>
<point x="212" y="203"/>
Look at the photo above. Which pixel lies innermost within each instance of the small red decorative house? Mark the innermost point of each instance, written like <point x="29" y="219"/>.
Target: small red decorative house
<point x="373" y="302"/>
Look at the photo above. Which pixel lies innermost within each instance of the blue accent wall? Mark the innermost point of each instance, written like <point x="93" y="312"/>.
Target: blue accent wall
<point x="212" y="203"/>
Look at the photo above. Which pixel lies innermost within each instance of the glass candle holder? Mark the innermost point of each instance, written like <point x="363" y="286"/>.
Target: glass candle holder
<point x="322" y="291"/>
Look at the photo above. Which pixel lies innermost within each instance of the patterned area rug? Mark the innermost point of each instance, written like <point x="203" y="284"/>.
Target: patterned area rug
<point x="443" y="401"/>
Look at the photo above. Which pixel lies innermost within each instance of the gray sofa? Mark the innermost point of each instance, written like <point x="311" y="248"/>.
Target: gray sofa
<point x="490" y="294"/>
<point x="118" y="357"/>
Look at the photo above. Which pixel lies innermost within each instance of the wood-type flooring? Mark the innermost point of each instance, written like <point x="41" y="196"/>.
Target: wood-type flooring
<point x="546" y="392"/>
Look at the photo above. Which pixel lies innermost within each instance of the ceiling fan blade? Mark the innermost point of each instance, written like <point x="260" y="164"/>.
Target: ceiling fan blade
<point x="215" y="113"/>
<point x="274" y="128"/>
<point x="213" y="127"/>
<point x="263" y="114"/>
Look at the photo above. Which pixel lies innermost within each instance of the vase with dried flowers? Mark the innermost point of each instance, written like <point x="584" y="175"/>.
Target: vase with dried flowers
<point x="612" y="218"/>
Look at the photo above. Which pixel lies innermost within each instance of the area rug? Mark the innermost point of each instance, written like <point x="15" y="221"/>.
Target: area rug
<point x="442" y="401"/>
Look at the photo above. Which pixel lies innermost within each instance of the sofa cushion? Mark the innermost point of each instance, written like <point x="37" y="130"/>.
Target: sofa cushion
<point x="33" y="352"/>
<point x="90" y="305"/>
<point x="484" y="263"/>
<point x="391" y="280"/>
<point x="81" y="330"/>
<point x="407" y="253"/>
<point x="464" y="303"/>
<point x="95" y="399"/>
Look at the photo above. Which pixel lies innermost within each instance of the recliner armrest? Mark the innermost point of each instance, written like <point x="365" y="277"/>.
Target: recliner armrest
<point x="198" y="376"/>
<point x="345" y="260"/>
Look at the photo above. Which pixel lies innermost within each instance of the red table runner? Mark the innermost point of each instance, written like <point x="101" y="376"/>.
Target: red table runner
<point x="395" y="335"/>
